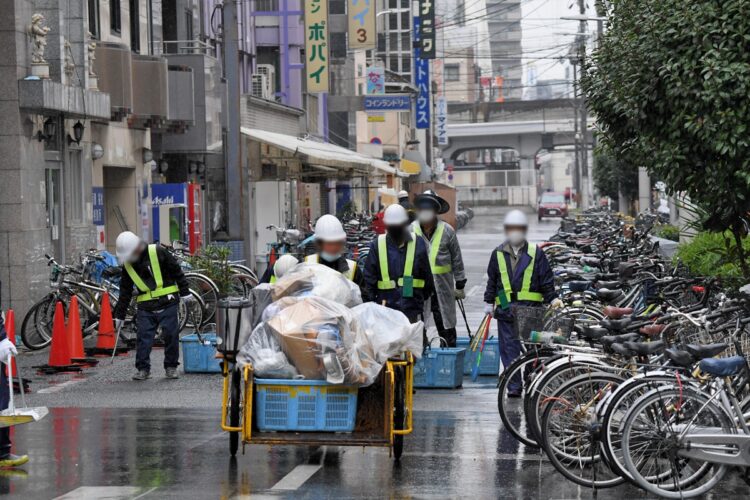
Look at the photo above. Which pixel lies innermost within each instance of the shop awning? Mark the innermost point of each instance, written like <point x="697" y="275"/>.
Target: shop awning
<point x="321" y="153"/>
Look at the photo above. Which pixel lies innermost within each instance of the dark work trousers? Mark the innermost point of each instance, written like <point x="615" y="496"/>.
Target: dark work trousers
<point x="147" y="323"/>
<point x="510" y="349"/>
<point x="449" y="334"/>
<point x="4" y="402"/>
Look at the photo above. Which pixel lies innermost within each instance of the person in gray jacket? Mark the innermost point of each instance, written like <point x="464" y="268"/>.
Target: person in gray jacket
<point x="445" y="261"/>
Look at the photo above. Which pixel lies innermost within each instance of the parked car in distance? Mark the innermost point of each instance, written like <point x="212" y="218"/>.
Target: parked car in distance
<point x="552" y="205"/>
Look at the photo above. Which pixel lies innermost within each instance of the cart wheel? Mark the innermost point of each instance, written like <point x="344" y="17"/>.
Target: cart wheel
<point x="234" y="411"/>
<point x="399" y="411"/>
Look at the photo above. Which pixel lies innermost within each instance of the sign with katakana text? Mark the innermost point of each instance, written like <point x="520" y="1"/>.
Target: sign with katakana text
<point x="422" y="81"/>
<point x="387" y="102"/>
<point x="441" y="120"/>
<point x="427" y="29"/>
<point x="316" y="45"/>
<point x="375" y="80"/>
<point x="361" y="24"/>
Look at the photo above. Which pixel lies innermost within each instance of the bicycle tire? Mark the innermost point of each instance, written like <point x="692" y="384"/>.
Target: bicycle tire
<point x="31" y="336"/>
<point x="399" y="411"/>
<point x="207" y="290"/>
<point x="235" y="408"/>
<point x="569" y="404"/>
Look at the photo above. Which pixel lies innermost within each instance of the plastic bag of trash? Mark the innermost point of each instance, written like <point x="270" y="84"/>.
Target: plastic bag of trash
<point x="323" y="341"/>
<point x="265" y="354"/>
<point x="389" y="331"/>
<point x="317" y="280"/>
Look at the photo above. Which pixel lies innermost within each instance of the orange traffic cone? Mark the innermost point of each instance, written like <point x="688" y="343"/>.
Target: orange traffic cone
<point x="10" y="329"/>
<point x="75" y="335"/>
<point x="106" y="341"/>
<point x="59" y="353"/>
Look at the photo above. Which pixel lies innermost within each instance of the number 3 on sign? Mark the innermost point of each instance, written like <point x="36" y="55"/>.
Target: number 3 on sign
<point x="361" y="35"/>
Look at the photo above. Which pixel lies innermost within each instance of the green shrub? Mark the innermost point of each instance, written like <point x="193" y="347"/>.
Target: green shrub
<point x="668" y="232"/>
<point x="712" y="255"/>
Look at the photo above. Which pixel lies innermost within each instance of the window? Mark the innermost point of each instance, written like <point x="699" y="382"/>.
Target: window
<point x="452" y="72"/>
<point x="461" y="13"/>
<point x="94" y="18"/>
<point x="115" y="16"/>
<point x="189" y="25"/>
<point x="76" y="197"/>
<point x="392" y="21"/>
<point x="135" y="26"/>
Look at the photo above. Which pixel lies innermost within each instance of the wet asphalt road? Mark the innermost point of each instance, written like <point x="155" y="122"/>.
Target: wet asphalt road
<point x="109" y="437"/>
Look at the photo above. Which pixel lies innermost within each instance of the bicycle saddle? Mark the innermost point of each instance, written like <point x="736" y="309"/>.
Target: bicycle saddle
<point x="626" y="270"/>
<point x="607" y="277"/>
<point x="620" y="349"/>
<point x="562" y="259"/>
<point x="609" y="285"/>
<point x="594" y="332"/>
<point x="112" y="271"/>
<point x="590" y="261"/>
<point x="699" y="351"/>
<point x="616" y="324"/>
<point x="678" y="357"/>
<point x="611" y="339"/>
<point x="724" y="367"/>
<point x="646" y="348"/>
<point x="608" y="295"/>
<point x="613" y="312"/>
<point x="579" y="286"/>
<point x="652" y="330"/>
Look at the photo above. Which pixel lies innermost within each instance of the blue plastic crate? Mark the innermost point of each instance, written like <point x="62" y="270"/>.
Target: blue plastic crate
<point x="490" y="364"/>
<point x="440" y="367"/>
<point x="304" y="405"/>
<point x="200" y="357"/>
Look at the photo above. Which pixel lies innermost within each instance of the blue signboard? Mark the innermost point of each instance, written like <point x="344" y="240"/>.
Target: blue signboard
<point x="422" y="81"/>
<point x="97" y="205"/>
<point x="387" y="102"/>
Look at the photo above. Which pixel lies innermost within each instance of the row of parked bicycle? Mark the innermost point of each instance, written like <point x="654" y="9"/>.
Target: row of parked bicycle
<point x="643" y="376"/>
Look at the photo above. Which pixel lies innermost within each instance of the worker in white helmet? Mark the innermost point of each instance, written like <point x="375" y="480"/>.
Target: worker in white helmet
<point x="403" y="200"/>
<point x="161" y="284"/>
<point x="397" y="269"/>
<point x="282" y="265"/>
<point x="330" y="243"/>
<point x="518" y="275"/>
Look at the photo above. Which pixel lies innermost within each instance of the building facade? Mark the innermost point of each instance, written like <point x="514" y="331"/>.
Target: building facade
<point x="504" y="24"/>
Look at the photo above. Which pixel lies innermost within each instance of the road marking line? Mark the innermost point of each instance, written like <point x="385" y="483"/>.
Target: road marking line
<point x="105" y="492"/>
<point x="297" y="477"/>
<point x="58" y="387"/>
<point x="473" y="291"/>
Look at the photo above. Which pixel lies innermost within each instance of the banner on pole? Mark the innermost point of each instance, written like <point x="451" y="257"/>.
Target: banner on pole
<point x="427" y="45"/>
<point x="422" y="81"/>
<point x="441" y="118"/>
<point x="362" y="24"/>
<point x="316" y="45"/>
<point x="375" y="80"/>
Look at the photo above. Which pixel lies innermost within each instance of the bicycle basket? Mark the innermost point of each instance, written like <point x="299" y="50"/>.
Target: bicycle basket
<point x="527" y="319"/>
<point x="561" y="325"/>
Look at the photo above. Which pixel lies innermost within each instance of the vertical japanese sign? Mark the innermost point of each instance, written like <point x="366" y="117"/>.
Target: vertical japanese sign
<point x="375" y="80"/>
<point x="97" y="215"/>
<point x="441" y="118"/>
<point x="361" y="24"/>
<point x="316" y="45"/>
<point x="422" y="81"/>
<point x="427" y="29"/>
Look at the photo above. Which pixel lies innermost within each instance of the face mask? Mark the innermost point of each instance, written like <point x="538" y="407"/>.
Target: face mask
<point x="397" y="233"/>
<point x="330" y="257"/>
<point x="426" y="216"/>
<point x="516" y="237"/>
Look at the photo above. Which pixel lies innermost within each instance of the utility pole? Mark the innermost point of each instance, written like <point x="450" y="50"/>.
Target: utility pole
<point x="235" y="209"/>
<point x="585" y="181"/>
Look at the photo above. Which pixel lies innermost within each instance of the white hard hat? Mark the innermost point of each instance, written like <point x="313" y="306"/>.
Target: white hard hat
<point x="516" y="218"/>
<point x="126" y="245"/>
<point x="395" y="215"/>
<point x="329" y="228"/>
<point x="402" y="194"/>
<point x="285" y="263"/>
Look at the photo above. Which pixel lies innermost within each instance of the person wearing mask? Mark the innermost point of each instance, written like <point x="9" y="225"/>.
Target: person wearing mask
<point x="403" y="200"/>
<point x="445" y="261"/>
<point x="397" y="269"/>
<point x="518" y="275"/>
<point x="330" y="241"/>
<point x="7" y="350"/>
<point x="160" y="285"/>
<point x="281" y="266"/>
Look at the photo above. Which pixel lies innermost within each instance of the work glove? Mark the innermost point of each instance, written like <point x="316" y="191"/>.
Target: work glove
<point x="7" y="349"/>
<point x="459" y="293"/>
<point x="118" y="324"/>
<point x="556" y="304"/>
<point x="489" y="308"/>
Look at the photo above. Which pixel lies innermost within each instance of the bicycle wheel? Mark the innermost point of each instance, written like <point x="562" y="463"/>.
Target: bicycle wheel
<point x="655" y="432"/>
<point x="510" y="409"/>
<point x="399" y="411"/>
<point x="235" y="406"/>
<point x="207" y="291"/>
<point x="240" y="285"/>
<point x="569" y="430"/>
<point x="34" y="334"/>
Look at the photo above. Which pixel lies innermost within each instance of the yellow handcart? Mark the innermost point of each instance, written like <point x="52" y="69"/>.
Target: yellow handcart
<point x="383" y="418"/>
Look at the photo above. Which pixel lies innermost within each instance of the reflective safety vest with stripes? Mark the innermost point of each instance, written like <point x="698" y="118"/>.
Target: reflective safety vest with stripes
<point x="273" y="279"/>
<point x="525" y="293"/>
<point x="437" y="237"/>
<point x="145" y="292"/>
<point x="386" y="283"/>
<point x="315" y="259"/>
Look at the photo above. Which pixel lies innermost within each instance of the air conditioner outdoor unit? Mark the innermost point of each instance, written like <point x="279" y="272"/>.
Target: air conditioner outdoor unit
<point x="259" y="86"/>
<point x="270" y="71"/>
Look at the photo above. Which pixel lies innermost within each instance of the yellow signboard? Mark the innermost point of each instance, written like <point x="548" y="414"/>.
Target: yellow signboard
<point x="376" y="117"/>
<point x="361" y="24"/>
<point x="316" y="45"/>
<point x="410" y="167"/>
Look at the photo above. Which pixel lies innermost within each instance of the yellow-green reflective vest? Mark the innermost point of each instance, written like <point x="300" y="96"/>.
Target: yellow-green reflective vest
<point x="273" y="279"/>
<point x="437" y="237"/>
<point x="315" y="259"/>
<point x="386" y="283"/>
<point x="525" y="293"/>
<point x="145" y="292"/>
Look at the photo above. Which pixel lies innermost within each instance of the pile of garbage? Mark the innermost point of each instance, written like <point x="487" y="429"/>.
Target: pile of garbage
<point x="314" y="326"/>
